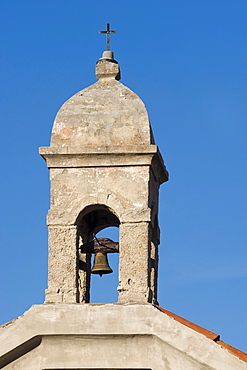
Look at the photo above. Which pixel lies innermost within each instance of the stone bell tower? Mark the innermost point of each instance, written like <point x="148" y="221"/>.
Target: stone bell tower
<point x="105" y="170"/>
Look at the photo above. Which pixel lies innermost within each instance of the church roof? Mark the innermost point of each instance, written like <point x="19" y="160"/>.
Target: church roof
<point x="209" y="334"/>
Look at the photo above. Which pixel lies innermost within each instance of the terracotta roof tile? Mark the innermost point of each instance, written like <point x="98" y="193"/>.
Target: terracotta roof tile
<point x="233" y="350"/>
<point x="209" y="334"/>
<point x="10" y="322"/>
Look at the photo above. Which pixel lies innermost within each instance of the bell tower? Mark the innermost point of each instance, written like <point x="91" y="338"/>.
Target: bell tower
<point x="105" y="170"/>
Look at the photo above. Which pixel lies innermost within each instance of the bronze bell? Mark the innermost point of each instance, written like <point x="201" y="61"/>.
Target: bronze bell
<point x="101" y="265"/>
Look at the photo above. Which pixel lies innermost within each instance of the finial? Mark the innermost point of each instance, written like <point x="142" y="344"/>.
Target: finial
<point x="107" y="67"/>
<point x="108" y="32"/>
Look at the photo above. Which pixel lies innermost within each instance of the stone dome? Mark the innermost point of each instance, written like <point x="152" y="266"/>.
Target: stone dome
<point x="106" y="113"/>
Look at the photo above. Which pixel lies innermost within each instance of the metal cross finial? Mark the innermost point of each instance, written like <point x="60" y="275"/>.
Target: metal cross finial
<point x="108" y="32"/>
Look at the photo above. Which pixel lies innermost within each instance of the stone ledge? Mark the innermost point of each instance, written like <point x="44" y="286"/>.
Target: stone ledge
<point x="75" y="157"/>
<point x="44" y="150"/>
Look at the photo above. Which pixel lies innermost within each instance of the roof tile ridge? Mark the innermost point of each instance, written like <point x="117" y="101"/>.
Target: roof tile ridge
<point x="240" y="354"/>
<point x="209" y="334"/>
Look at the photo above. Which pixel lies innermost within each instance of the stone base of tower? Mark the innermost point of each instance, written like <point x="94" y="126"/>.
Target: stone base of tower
<point x="109" y="336"/>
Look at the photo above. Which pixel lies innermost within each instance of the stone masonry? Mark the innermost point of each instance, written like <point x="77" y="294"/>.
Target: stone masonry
<point x="105" y="170"/>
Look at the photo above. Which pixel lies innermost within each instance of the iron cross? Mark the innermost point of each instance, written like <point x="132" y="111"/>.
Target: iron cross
<point x="108" y="32"/>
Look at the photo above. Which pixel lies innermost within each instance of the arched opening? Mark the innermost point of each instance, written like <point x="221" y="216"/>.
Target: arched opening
<point x="104" y="289"/>
<point x="93" y="223"/>
<point x="95" y="218"/>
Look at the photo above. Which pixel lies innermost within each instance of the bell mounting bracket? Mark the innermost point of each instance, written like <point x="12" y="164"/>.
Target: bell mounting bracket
<point x="103" y="245"/>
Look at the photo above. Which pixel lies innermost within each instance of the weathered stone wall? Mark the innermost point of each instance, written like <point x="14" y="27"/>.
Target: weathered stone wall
<point x="126" y="191"/>
<point x="108" y="337"/>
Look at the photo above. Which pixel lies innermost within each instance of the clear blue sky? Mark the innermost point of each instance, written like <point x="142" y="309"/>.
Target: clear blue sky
<point x="187" y="61"/>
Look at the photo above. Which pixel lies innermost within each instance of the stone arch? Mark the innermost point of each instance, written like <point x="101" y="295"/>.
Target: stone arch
<point x="90" y="220"/>
<point x="94" y="218"/>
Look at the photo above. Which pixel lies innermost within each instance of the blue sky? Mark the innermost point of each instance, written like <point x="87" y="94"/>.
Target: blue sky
<point x="187" y="61"/>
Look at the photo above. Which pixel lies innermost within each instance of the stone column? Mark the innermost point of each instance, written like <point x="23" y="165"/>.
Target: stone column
<point x="63" y="265"/>
<point x="134" y="266"/>
<point x="153" y="278"/>
<point x="84" y="268"/>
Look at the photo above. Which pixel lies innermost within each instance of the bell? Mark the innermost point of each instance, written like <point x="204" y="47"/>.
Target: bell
<point x="101" y="265"/>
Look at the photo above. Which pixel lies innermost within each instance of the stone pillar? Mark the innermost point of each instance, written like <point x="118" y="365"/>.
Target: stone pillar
<point x="134" y="266"/>
<point x="62" y="269"/>
<point x="84" y="278"/>
<point x="153" y="278"/>
<point x="84" y="268"/>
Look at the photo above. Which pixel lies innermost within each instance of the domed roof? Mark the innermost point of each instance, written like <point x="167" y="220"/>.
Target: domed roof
<point x="106" y="113"/>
